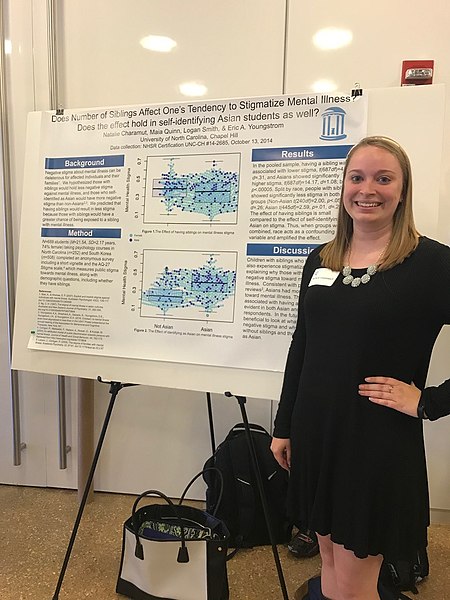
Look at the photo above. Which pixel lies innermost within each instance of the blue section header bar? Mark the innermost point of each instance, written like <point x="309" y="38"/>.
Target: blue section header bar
<point x="280" y="249"/>
<point x="85" y="162"/>
<point x="77" y="232"/>
<point x="300" y="153"/>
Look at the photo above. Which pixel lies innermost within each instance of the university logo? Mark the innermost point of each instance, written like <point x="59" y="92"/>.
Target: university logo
<point x="333" y="121"/>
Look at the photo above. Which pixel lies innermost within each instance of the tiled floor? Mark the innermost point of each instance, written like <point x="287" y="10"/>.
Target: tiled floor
<point x="35" y="526"/>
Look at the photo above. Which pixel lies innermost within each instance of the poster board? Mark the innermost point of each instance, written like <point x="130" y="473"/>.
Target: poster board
<point x="413" y="116"/>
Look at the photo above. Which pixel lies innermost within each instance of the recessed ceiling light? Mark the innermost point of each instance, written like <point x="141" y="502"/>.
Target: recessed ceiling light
<point x="323" y="85"/>
<point x="332" y="38"/>
<point x="193" y="88"/>
<point x="158" y="43"/>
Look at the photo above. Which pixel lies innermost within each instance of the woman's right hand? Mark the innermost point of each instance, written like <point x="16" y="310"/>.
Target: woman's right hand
<point x="281" y="449"/>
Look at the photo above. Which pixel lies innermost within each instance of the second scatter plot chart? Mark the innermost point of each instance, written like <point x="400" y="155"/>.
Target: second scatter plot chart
<point x="191" y="285"/>
<point x="195" y="188"/>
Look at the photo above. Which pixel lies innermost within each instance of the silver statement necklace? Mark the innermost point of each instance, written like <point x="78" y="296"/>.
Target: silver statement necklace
<point x="370" y="271"/>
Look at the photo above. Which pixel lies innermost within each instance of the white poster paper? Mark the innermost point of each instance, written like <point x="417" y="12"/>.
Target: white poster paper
<point x="179" y="232"/>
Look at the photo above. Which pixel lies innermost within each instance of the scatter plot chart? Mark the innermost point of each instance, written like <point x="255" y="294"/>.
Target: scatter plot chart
<point x="196" y="188"/>
<point x="189" y="285"/>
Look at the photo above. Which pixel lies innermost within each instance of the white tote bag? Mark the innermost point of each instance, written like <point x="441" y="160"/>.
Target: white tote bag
<point x="173" y="552"/>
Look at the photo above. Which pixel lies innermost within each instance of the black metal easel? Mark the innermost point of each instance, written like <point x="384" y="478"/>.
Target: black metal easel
<point x="211" y="422"/>
<point x="254" y="458"/>
<point x="115" y="387"/>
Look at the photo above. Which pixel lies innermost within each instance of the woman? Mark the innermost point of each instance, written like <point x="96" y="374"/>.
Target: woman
<point x="349" y="424"/>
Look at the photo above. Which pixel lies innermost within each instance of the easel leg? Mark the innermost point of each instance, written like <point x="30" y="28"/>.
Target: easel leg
<point x="242" y="400"/>
<point x="211" y="422"/>
<point x="114" y="390"/>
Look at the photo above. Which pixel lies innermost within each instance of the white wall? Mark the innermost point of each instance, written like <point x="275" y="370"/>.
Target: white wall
<point x="235" y="48"/>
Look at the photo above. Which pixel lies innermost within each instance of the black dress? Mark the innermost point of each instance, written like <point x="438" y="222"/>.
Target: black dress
<point x="358" y="469"/>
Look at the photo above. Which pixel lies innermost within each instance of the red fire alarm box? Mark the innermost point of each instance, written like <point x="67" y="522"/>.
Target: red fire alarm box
<point x="417" y="72"/>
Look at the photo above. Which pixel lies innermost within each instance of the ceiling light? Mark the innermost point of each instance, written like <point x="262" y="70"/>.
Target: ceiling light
<point x="193" y="88"/>
<point x="158" y="43"/>
<point x="323" y="85"/>
<point x="332" y="38"/>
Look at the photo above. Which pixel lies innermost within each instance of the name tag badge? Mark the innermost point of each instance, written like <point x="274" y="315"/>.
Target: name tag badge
<point x="323" y="276"/>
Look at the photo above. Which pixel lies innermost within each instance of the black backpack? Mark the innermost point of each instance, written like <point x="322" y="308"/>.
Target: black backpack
<point x="240" y="507"/>
<point x="403" y="575"/>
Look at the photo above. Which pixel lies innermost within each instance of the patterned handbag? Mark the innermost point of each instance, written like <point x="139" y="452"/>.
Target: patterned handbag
<point x="174" y="552"/>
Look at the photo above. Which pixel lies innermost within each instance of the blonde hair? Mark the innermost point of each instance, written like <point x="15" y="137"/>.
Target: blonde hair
<point x="405" y="236"/>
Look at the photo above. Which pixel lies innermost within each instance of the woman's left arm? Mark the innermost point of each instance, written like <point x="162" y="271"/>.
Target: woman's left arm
<point x="392" y="393"/>
<point x="434" y="400"/>
<point x="396" y="394"/>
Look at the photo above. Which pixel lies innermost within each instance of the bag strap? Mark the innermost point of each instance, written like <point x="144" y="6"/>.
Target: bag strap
<point x="242" y="467"/>
<point x="219" y="473"/>
<point x="240" y="428"/>
<point x="246" y="506"/>
<point x="183" y="555"/>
